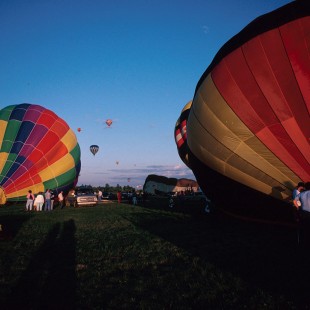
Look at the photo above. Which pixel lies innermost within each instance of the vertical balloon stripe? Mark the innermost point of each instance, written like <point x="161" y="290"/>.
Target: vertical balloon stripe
<point x="66" y="177"/>
<point x="178" y="138"/>
<point x="16" y="167"/>
<point x="32" y="115"/>
<point x="47" y="118"/>
<point x="57" y="168"/>
<point x="18" y="113"/>
<point x="18" y="174"/>
<point x="6" y="112"/>
<point x="298" y="51"/>
<point x="219" y="125"/>
<point x="35" y="157"/>
<point x="47" y="142"/>
<point x="10" y="135"/>
<point x="34" y="139"/>
<point x="76" y="154"/>
<point x="183" y="129"/>
<point x="56" y="153"/>
<point x="69" y="139"/>
<point x="23" y="133"/>
<point x="36" y="107"/>
<point x="26" y="151"/>
<point x="51" y="183"/>
<point x="10" y="160"/>
<point x="24" y="176"/>
<point x="235" y="80"/>
<point x="25" y="184"/>
<point x="3" y="125"/>
<point x="59" y="128"/>
<point x="284" y="96"/>
<point x="20" y="193"/>
<point x="3" y="160"/>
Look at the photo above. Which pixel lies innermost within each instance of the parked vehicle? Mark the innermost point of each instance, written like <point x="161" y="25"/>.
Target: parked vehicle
<point x="108" y="196"/>
<point x="82" y="197"/>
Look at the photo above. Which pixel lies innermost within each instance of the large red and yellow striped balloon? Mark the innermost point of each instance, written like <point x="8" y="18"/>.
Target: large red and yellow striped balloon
<point x="38" y="151"/>
<point x="248" y="128"/>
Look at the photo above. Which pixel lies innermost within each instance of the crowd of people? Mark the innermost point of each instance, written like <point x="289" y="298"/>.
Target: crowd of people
<point x="43" y="201"/>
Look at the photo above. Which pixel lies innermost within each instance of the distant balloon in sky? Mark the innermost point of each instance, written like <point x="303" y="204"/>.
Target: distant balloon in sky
<point x="79" y="129"/>
<point x="94" y="149"/>
<point x="246" y="133"/>
<point x="38" y="151"/>
<point x="180" y="134"/>
<point x="109" y="122"/>
<point x="117" y="162"/>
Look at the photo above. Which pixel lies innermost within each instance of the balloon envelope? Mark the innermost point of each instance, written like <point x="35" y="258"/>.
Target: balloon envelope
<point x="109" y="122"/>
<point x="38" y="151"/>
<point x="94" y="149"/>
<point x="247" y="130"/>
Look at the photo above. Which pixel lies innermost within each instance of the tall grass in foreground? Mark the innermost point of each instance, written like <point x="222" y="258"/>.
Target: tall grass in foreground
<point x="119" y="256"/>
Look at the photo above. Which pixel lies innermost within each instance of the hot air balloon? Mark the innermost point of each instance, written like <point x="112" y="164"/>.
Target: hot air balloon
<point x="180" y="133"/>
<point x="38" y="151"/>
<point x="94" y="149"/>
<point x="117" y="162"/>
<point x="79" y="129"/>
<point x="247" y="129"/>
<point x="109" y="122"/>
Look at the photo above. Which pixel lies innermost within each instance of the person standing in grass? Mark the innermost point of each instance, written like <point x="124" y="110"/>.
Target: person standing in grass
<point x="119" y="197"/>
<point x="134" y="198"/>
<point x="298" y="189"/>
<point x="52" y="200"/>
<point x="302" y="200"/>
<point x="39" y="201"/>
<point x="99" y="195"/>
<point x="30" y="199"/>
<point x="302" y="203"/>
<point x="61" y="200"/>
<point x="48" y="196"/>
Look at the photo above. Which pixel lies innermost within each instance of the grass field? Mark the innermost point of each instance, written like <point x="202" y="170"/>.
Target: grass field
<point x="119" y="256"/>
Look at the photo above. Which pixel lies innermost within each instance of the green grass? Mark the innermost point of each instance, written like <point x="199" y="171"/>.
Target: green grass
<point x="119" y="256"/>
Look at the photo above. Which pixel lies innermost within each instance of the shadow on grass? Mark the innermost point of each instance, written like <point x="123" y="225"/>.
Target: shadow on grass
<point x="10" y="225"/>
<point x="266" y="257"/>
<point x="49" y="282"/>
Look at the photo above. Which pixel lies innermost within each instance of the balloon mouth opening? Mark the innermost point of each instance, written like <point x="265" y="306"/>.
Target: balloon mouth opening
<point x="2" y="196"/>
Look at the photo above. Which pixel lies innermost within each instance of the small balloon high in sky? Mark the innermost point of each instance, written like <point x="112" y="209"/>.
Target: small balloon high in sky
<point x="94" y="149"/>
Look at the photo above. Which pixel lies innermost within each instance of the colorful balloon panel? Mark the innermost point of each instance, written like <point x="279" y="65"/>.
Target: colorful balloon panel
<point x="38" y="151"/>
<point x="248" y="126"/>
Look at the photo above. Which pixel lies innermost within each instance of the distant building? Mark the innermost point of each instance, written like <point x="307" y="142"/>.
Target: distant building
<point x="156" y="184"/>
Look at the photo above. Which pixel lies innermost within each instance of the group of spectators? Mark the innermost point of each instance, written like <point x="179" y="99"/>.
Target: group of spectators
<point x="43" y="201"/>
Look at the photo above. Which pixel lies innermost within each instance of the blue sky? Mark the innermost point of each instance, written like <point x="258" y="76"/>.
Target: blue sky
<point x="136" y="62"/>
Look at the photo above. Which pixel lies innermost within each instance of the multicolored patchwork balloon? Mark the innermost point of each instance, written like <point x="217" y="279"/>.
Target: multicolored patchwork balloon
<point x="38" y="151"/>
<point x="248" y="128"/>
